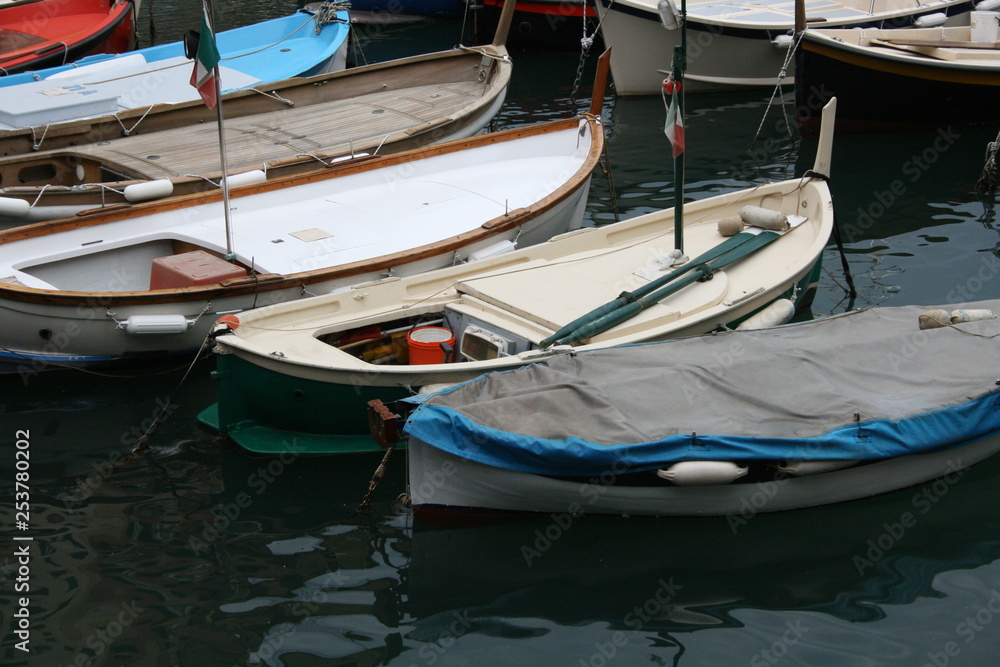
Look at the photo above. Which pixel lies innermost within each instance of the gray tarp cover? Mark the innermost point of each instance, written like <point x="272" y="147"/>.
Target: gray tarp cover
<point x="793" y="381"/>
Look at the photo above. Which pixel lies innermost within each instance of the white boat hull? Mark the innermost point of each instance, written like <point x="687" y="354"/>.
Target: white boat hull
<point x="83" y="334"/>
<point x="439" y="479"/>
<point x="77" y="293"/>
<point x="721" y="54"/>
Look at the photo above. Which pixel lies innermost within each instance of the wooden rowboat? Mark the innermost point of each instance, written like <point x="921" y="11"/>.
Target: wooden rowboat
<point x="299" y="44"/>
<point x="798" y="416"/>
<point x="738" y="44"/>
<point x="45" y="33"/>
<point x="150" y="279"/>
<point x="291" y="127"/>
<point x="303" y="372"/>
<point x="898" y="79"/>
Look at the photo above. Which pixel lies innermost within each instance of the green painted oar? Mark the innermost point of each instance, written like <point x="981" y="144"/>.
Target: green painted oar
<point x="628" y="297"/>
<point x="705" y="269"/>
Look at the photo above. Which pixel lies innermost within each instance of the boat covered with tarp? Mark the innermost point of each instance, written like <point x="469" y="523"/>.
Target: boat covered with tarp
<point x="818" y="412"/>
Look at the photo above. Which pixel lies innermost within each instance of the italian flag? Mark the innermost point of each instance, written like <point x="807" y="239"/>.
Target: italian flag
<point x="203" y="76"/>
<point x="674" y="127"/>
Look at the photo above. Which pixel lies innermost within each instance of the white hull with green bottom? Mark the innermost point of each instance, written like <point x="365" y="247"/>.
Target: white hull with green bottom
<point x="304" y="371"/>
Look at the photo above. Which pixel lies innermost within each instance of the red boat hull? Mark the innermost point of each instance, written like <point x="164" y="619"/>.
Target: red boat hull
<point x="47" y="33"/>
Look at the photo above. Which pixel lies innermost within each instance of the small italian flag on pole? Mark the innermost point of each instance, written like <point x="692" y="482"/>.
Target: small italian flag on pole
<point x="206" y="58"/>
<point x="674" y="127"/>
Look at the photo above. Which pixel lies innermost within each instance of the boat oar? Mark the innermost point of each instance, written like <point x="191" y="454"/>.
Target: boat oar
<point x="628" y="297"/>
<point x="697" y="272"/>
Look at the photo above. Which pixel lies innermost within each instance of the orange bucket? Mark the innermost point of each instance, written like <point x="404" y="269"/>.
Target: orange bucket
<point x="425" y="344"/>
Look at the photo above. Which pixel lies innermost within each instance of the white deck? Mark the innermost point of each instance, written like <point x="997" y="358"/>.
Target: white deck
<point x="309" y="227"/>
<point x="100" y="89"/>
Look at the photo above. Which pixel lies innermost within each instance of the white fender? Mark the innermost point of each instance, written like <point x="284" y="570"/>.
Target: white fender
<point x="776" y="313"/>
<point x="157" y="189"/>
<point x="702" y="473"/>
<point x="246" y="178"/>
<point x="13" y="208"/>
<point x="155" y="324"/>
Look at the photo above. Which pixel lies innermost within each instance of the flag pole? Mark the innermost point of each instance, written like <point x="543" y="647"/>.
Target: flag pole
<point x="224" y="181"/>
<point x="680" y="63"/>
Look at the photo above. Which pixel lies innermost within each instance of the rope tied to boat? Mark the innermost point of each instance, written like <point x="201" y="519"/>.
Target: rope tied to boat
<point x="782" y="74"/>
<point x="377" y="476"/>
<point x="586" y="41"/>
<point x="128" y="130"/>
<point x="274" y="96"/>
<point x="36" y="143"/>
<point x="327" y="13"/>
<point x="143" y="442"/>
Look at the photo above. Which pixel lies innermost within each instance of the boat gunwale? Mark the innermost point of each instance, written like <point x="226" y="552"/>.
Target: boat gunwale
<point x="494" y="88"/>
<point x="641" y="10"/>
<point x="902" y="63"/>
<point x="64" y="134"/>
<point x="304" y="368"/>
<point x="97" y="32"/>
<point x="272" y="282"/>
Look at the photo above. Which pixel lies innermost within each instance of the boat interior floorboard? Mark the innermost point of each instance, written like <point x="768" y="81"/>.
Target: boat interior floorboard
<point x="261" y="138"/>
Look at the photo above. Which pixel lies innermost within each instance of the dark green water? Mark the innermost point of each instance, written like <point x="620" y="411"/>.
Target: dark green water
<point x="198" y="554"/>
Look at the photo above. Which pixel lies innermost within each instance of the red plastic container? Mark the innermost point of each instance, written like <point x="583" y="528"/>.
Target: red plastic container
<point x="425" y="345"/>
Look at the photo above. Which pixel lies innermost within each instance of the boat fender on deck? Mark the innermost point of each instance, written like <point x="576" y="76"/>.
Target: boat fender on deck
<point x="246" y="178"/>
<point x="803" y="468"/>
<point x="987" y="5"/>
<point x="14" y="208"/>
<point x="971" y="315"/>
<point x="731" y="225"/>
<point x="155" y="324"/>
<point x="765" y="218"/>
<point x="702" y="473"/>
<point x="934" y="319"/>
<point x="138" y="192"/>
<point x="937" y="318"/>
<point x="930" y="20"/>
<point x="774" y="314"/>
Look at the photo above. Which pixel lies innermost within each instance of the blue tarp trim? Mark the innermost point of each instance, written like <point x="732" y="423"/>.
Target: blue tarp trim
<point x="934" y="430"/>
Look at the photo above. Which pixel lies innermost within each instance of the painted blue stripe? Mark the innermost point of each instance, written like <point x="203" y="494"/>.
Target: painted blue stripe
<point x="933" y="430"/>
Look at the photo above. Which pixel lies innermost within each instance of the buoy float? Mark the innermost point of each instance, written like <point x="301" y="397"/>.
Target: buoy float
<point x="138" y="192"/>
<point x="246" y="178"/>
<point x="731" y="225"/>
<point x="971" y="315"/>
<point x="230" y="321"/>
<point x="930" y="20"/>
<point x="702" y="473"/>
<point x="774" y="314"/>
<point x="155" y="324"/>
<point x="14" y="208"/>
<point x="934" y="319"/>
<point x="764" y="218"/>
